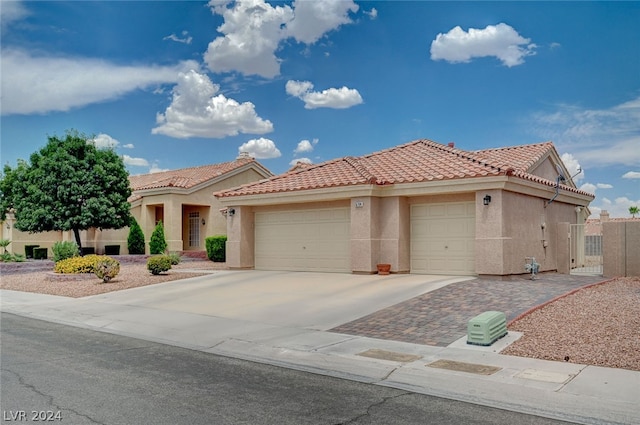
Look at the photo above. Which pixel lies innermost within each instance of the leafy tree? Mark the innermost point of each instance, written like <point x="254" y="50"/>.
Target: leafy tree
<point x="158" y="244"/>
<point x="67" y="185"/>
<point x="633" y="211"/>
<point x="135" y="240"/>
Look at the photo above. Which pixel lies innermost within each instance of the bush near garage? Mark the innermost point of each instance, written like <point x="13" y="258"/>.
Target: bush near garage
<point x="158" y="264"/>
<point x="216" y="250"/>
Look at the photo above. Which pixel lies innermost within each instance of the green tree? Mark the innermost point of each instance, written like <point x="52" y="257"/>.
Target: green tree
<point x="135" y="240"/>
<point x="158" y="244"/>
<point x="68" y="185"/>
<point x="633" y="211"/>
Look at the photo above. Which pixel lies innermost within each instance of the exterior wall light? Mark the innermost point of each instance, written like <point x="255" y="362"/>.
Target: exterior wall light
<point x="203" y="222"/>
<point x="486" y="200"/>
<point x="231" y="211"/>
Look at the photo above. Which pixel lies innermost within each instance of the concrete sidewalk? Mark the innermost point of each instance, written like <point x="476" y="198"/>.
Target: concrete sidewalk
<point x="282" y="319"/>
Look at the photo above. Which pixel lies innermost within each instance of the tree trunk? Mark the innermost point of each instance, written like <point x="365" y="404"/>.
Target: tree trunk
<point x="76" y="233"/>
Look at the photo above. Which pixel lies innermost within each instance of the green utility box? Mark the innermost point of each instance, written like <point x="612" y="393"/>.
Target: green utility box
<point x="486" y="328"/>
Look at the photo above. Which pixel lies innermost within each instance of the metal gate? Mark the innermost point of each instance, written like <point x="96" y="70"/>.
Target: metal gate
<point x="586" y="251"/>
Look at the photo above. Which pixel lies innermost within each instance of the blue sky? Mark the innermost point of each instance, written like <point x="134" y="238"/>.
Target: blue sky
<point x="178" y="84"/>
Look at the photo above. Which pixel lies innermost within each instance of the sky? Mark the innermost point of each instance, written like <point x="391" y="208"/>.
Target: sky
<point x="178" y="84"/>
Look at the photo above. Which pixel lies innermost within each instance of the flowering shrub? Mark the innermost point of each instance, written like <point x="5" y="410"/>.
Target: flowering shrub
<point x="107" y="268"/>
<point x="84" y="264"/>
<point x="158" y="264"/>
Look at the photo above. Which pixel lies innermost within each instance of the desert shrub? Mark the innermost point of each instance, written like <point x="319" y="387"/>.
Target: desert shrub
<point x="84" y="264"/>
<point x="65" y="249"/>
<point x="158" y="244"/>
<point x="174" y="257"/>
<point x="4" y="243"/>
<point x="158" y="264"/>
<point x="135" y="240"/>
<point x="106" y="268"/>
<point x="216" y="250"/>
<point x="6" y="257"/>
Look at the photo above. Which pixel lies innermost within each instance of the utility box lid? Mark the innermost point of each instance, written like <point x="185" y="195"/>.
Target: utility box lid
<point x="486" y="328"/>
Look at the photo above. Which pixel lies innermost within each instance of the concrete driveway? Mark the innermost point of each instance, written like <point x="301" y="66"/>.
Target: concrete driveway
<point x="318" y="301"/>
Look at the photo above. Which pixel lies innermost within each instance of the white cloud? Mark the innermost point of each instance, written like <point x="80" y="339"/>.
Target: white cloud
<point x="588" y="187"/>
<point x="136" y="162"/>
<point x="500" y="41"/>
<point x="102" y="141"/>
<point x="186" y="38"/>
<point x="616" y="208"/>
<point x="39" y="84"/>
<point x="155" y="168"/>
<point x="341" y="98"/>
<point x="604" y="186"/>
<point x="260" y="148"/>
<point x="631" y="175"/>
<point x="197" y="110"/>
<point x="373" y="13"/>
<point x="597" y="137"/>
<point x="312" y="19"/>
<point x="253" y="30"/>
<point x="300" y="160"/>
<point x="128" y="146"/>
<point x="305" y="146"/>
<point x="572" y="165"/>
<point x="11" y="11"/>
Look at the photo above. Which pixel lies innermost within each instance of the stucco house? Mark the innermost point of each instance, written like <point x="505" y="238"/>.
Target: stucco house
<point x="422" y="207"/>
<point x="180" y="198"/>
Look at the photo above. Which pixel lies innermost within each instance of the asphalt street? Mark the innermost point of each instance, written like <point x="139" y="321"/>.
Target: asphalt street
<point x="59" y="374"/>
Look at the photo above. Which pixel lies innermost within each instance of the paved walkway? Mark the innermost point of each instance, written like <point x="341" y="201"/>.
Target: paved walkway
<point x="439" y="318"/>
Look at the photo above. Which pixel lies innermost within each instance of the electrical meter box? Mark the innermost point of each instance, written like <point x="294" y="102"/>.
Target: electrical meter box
<point x="486" y="328"/>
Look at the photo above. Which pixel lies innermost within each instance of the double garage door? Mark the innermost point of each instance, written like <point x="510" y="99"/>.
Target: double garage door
<point x="443" y="238"/>
<point x="303" y="240"/>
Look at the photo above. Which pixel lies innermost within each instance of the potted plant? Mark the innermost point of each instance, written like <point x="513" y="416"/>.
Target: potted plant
<point x="383" y="269"/>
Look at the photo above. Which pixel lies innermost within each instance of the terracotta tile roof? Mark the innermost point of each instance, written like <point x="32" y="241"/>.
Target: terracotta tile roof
<point x="418" y="161"/>
<point x="185" y="178"/>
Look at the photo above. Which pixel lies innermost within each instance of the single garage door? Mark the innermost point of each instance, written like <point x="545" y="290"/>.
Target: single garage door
<point x="303" y="240"/>
<point x="443" y="238"/>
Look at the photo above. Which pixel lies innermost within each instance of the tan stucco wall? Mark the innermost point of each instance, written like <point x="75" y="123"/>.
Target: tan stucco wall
<point x="515" y="226"/>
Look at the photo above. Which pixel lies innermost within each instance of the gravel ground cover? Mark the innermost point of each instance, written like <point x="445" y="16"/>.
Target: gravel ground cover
<point x="597" y="325"/>
<point x="132" y="275"/>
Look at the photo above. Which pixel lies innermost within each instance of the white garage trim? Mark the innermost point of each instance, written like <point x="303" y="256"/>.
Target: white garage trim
<point x="443" y="238"/>
<point x="303" y="240"/>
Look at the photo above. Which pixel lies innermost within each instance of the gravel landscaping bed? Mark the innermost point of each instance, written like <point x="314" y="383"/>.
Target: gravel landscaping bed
<point x="597" y="325"/>
<point x="132" y="275"/>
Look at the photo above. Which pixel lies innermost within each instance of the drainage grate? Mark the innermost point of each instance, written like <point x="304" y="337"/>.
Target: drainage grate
<point x="478" y="369"/>
<point x="389" y="355"/>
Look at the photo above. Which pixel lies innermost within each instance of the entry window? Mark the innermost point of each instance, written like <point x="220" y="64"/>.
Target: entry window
<point x="194" y="229"/>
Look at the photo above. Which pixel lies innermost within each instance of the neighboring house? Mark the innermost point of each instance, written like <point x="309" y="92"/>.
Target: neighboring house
<point x="422" y="207"/>
<point x="180" y="198"/>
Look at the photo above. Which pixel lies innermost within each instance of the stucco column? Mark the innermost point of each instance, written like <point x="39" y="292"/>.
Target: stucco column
<point x="240" y="238"/>
<point x="490" y="237"/>
<point x="563" y="250"/>
<point x="173" y="225"/>
<point x="365" y="239"/>
<point x="394" y="229"/>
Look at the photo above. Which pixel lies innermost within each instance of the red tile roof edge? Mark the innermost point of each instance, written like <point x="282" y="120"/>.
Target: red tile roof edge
<point x="369" y="178"/>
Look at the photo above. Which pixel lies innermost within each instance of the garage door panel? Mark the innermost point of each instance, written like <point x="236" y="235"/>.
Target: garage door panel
<point x="443" y="238"/>
<point x="305" y="240"/>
